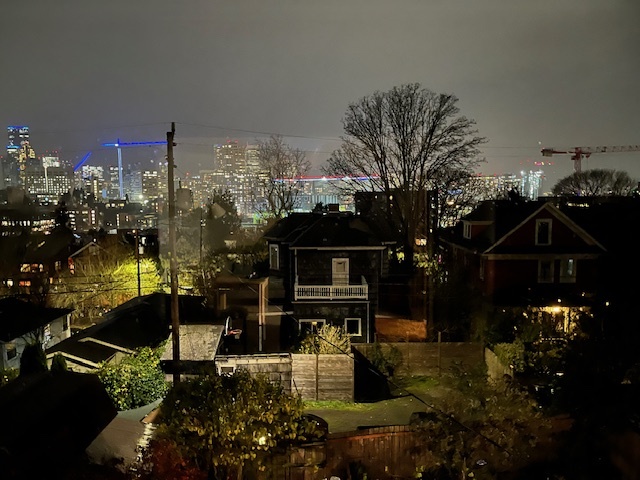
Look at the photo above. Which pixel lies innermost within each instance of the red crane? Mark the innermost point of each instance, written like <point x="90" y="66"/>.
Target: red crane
<point x="578" y="153"/>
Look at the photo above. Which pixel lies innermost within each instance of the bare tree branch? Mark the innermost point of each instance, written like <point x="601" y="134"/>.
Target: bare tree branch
<point x="401" y="140"/>
<point x="281" y="166"/>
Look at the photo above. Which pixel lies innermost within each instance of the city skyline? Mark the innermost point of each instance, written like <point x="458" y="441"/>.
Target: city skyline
<point x="532" y="75"/>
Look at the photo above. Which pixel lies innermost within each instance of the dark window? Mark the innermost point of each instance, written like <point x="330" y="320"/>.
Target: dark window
<point x="543" y="232"/>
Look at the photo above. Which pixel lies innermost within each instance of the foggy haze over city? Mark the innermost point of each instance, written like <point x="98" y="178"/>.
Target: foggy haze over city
<point x="532" y="75"/>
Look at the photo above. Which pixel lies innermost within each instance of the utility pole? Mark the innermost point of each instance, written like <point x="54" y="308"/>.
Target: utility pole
<point x="175" y="318"/>
<point x="135" y="232"/>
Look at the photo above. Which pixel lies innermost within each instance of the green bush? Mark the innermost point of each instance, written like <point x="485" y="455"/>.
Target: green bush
<point x="329" y="339"/>
<point x="135" y="381"/>
<point x="511" y="355"/>
<point x="386" y="361"/>
<point x="59" y="363"/>
<point x="227" y="424"/>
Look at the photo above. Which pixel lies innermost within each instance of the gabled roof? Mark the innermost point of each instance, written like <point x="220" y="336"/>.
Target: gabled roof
<point x="44" y="248"/>
<point x="90" y="246"/>
<point x="289" y="226"/>
<point x="19" y="317"/>
<point x="502" y="218"/>
<point x="337" y="230"/>
<point x="325" y="230"/>
<point x="588" y="240"/>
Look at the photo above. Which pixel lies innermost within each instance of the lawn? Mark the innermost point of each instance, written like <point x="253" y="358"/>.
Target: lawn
<point x="411" y="394"/>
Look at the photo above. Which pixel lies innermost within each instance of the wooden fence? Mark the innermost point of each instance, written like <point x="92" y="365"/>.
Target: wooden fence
<point x="314" y="377"/>
<point x="323" y="377"/>
<point x="430" y="358"/>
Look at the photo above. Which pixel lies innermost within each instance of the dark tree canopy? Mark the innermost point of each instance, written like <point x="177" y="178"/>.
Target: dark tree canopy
<point x="221" y="221"/>
<point x="33" y="360"/>
<point x="401" y="140"/>
<point x="596" y="183"/>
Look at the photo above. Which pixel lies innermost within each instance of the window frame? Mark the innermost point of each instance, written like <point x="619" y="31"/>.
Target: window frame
<point x="466" y="232"/>
<point x="11" y="347"/>
<point x="571" y="276"/>
<point x="346" y="330"/>
<point x="539" y="223"/>
<point x="541" y="278"/>
<point x="314" y="322"/>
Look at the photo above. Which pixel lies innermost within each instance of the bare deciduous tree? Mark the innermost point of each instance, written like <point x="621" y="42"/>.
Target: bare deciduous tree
<point x="280" y="168"/>
<point x="401" y="139"/>
<point x="596" y="182"/>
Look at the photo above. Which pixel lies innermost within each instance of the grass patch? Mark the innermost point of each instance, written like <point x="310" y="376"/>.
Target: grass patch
<point x="337" y="405"/>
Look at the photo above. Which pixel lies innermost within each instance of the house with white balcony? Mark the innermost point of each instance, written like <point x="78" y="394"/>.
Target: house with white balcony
<point x="331" y="265"/>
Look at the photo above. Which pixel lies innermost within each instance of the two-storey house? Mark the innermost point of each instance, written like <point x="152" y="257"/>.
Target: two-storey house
<point x="527" y="255"/>
<point x="331" y="265"/>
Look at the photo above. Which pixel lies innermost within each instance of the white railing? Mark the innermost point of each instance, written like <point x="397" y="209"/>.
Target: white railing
<point x="331" y="292"/>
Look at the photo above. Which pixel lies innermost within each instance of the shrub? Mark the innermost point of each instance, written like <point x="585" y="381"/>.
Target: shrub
<point x="386" y="361"/>
<point x="33" y="360"/>
<point x="511" y="355"/>
<point x="329" y="339"/>
<point x="59" y="363"/>
<point x="135" y="381"/>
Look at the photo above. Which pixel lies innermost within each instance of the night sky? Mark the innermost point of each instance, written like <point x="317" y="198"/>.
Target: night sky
<point x="533" y="74"/>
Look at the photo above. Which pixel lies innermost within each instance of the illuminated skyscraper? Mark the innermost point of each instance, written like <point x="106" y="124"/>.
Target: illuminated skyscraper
<point x="21" y="153"/>
<point x="13" y="171"/>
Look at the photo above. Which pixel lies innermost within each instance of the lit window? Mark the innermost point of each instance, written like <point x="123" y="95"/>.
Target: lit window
<point x="311" y="325"/>
<point x="568" y="270"/>
<point x="543" y="232"/>
<point x="545" y="271"/>
<point x="467" y="230"/>
<point x="352" y="326"/>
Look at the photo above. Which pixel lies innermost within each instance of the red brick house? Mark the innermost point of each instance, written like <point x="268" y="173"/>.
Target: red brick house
<point x="527" y="254"/>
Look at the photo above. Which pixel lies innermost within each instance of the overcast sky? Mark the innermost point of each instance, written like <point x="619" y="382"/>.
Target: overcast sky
<point x="532" y="74"/>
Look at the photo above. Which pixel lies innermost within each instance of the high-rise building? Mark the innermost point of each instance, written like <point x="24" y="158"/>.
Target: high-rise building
<point x="237" y="172"/>
<point x="531" y="184"/>
<point x="113" y="184"/>
<point x="150" y="184"/>
<point x="18" y="152"/>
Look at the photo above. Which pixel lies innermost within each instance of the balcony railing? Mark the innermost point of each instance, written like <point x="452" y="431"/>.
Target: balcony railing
<point x="331" y="292"/>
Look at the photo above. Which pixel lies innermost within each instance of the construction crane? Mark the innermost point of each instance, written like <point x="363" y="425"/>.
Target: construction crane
<point x="119" y="145"/>
<point x="578" y="153"/>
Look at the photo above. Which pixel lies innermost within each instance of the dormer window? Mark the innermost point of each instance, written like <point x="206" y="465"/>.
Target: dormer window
<point x="543" y="232"/>
<point x="467" y="230"/>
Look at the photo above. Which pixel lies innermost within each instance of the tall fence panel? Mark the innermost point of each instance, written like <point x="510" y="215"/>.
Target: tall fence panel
<point x="429" y="358"/>
<point x="323" y="377"/>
